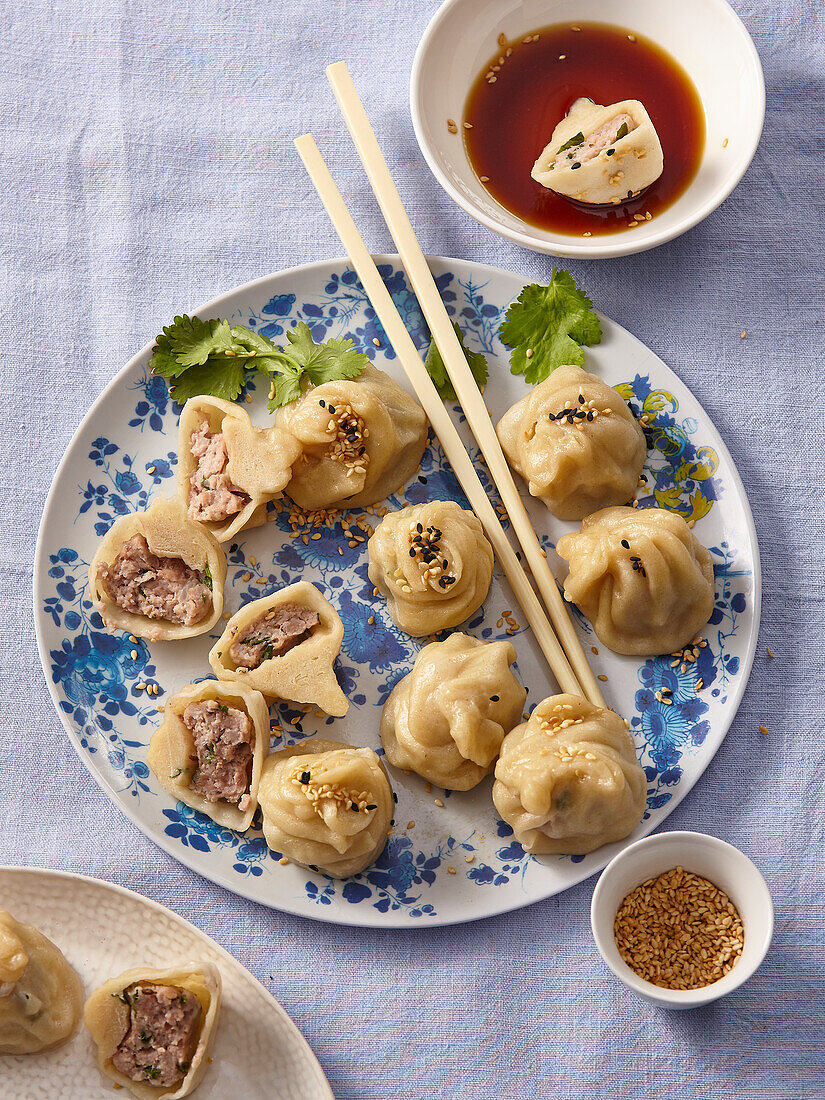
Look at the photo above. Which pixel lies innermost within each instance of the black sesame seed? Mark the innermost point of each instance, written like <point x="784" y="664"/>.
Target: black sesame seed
<point x="332" y="408"/>
<point x="625" y="544"/>
<point x="394" y="796"/>
<point x="305" y="777"/>
<point x="419" y="528"/>
<point x="591" y="415"/>
<point x="354" y="806"/>
<point x="576" y="165"/>
<point x="412" y="551"/>
<point x="493" y="698"/>
<point x="581" y="399"/>
<point x="323" y="404"/>
<point x="630" y="194"/>
<point x="422" y="479"/>
<point x="610" y="152"/>
<point x="372" y="806"/>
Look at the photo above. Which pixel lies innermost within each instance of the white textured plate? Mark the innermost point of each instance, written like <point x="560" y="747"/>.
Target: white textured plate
<point x="443" y="864"/>
<point x="258" y="1054"/>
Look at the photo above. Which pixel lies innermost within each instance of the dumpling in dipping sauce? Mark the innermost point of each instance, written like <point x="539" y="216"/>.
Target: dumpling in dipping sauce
<point x="601" y="155"/>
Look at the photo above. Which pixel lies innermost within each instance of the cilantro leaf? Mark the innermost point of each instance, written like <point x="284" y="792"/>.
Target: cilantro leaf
<point x="334" y="359"/>
<point x="226" y="381"/>
<point x="438" y="372"/>
<point x="551" y="322"/>
<point x="283" y="390"/>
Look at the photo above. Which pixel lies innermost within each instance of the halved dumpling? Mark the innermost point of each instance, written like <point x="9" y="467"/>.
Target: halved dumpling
<point x="285" y="646"/>
<point x="209" y="750"/>
<point x="41" y="995"/>
<point x="362" y="440"/>
<point x="153" y="1028"/>
<point x="228" y="470"/>
<point x="601" y="155"/>
<point x="326" y="805"/>
<point x="158" y="574"/>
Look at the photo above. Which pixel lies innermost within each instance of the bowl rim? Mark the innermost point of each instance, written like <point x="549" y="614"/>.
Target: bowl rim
<point x="593" y="248"/>
<point x="681" y="998"/>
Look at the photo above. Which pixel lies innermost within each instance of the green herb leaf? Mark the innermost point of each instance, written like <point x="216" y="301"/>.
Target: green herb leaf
<point x="551" y="322"/>
<point x="576" y="139"/>
<point x="328" y="362"/>
<point x="207" y="577"/>
<point x="438" y="372"/>
<point x="223" y="379"/>
<point x="623" y="132"/>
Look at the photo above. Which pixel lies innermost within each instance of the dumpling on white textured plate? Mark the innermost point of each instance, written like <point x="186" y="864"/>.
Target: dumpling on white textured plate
<point x="567" y="780"/>
<point x="284" y="645"/>
<point x="158" y="574"/>
<point x="326" y="805"/>
<point x="432" y="563"/>
<point x="446" y="718"/>
<point x="575" y="442"/>
<point x="641" y="577"/>
<point x="229" y="470"/>
<point x="362" y="439"/>
<point x="601" y="155"/>
<point x="209" y="750"/>
<point x="41" y="996"/>
<point x="153" y="1028"/>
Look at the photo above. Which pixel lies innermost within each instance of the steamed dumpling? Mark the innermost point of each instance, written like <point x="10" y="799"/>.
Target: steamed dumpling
<point x="641" y="577"/>
<point x="210" y="747"/>
<point x="326" y="806"/>
<point x="362" y="440"/>
<point x="153" y="1029"/>
<point x="228" y="470"/>
<point x="575" y="442"/>
<point x="158" y="574"/>
<point x="447" y="718"/>
<point x="433" y="564"/>
<point x="41" y="996"/>
<point x="285" y="646"/>
<point x="567" y="780"/>
<point x="600" y="155"/>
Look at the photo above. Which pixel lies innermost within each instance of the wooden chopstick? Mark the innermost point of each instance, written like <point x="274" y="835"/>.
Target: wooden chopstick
<point x="468" y="393"/>
<point x="433" y="406"/>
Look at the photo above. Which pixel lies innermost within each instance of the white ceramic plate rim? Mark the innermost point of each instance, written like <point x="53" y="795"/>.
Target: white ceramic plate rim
<point x="277" y="1007"/>
<point x="357" y="917"/>
<point x="596" y="250"/>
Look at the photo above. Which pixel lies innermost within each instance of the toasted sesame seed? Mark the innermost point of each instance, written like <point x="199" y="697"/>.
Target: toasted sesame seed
<point x="484" y="179"/>
<point x="725" y="143"/>
<point x="283" y="861"/>
<point x="763" y="730"/>
<point x="451" y="870"/>
<point x="502" y="40"/>
<point x="410" y="824"/>
<point x="438" y="802"/>
<point x="134" y="654"/>
<point x="451" y="126"/>
<point x="631" y="38"/>
<point x="601" y="677"/>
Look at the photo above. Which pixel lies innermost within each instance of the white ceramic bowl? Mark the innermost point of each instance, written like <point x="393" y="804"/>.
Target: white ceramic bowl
<point x="705" y="36"/>
<point x="723" y="865"/>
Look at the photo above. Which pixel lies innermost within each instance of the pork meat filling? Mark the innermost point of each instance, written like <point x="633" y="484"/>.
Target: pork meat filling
<point x="212" y="495"/>
<point x="162" y="1035"/>
<point x="598" y="141"/>
<point x="223" y="740"/>
<point x="272" y="635"/>
<point x="158" y="588"/>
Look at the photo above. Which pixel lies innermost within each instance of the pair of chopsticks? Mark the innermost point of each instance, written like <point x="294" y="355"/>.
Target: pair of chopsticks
<point x="561" y="648"/>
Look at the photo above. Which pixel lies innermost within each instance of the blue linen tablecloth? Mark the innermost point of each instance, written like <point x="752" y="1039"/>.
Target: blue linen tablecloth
<point x="147" y="165"/>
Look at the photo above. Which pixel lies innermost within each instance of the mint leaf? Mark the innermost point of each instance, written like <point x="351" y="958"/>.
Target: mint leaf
<point x="551" y="322"/>
<point x="438" y="372"/>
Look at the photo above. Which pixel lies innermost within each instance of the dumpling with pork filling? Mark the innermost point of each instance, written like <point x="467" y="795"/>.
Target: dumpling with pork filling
<point x="575" y="442"/>
<point x="153" y="1028"/>
<point x="285" y="646"/>
<point x="209" y="749"/>
<point x="447" y="718"/>
<point x="601" y="155"/>
<point x="567" y="780"/>
<point x="158" y="574"/>
<point x="433" y="564"/>
<point x="41" y="996"/>
<point x="641" y="577"/>
<point x="326" y="805"/>
<point x="228" y="470"/>
<point x="361" y="439"/>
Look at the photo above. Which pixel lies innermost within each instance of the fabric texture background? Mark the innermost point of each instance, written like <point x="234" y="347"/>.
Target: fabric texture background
<point x="146" y="165"/>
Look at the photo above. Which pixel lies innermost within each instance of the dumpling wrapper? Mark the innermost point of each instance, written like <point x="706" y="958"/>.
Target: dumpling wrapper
<point x="313" y="823"/>
<point x="107" y="1020"/>
<point x="171" y="749"/>
<point x="419" y="604"/>
<point x="305" y="673"/>
<point x="41" y="995"/>
<point x="637" y="160"/>
<point x="658" y="603"/>
<point x="574" y="467"/>
<point x="447" y="718"/>
<point x="392" y="450"/>
<point x="169" y="533"/>
<point x="260" y="459"/>
<point x="567" y="780"/>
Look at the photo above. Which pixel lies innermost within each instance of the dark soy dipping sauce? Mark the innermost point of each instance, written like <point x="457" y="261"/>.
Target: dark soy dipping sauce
<point x="512" y="119"/>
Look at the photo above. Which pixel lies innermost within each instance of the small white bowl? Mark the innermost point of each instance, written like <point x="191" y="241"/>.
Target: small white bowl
<point x="705" y="36"/>
<point x="721" y="864"/>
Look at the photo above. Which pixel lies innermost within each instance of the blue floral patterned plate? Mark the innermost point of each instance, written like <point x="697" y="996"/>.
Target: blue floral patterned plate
<point x="450" y="859"/>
